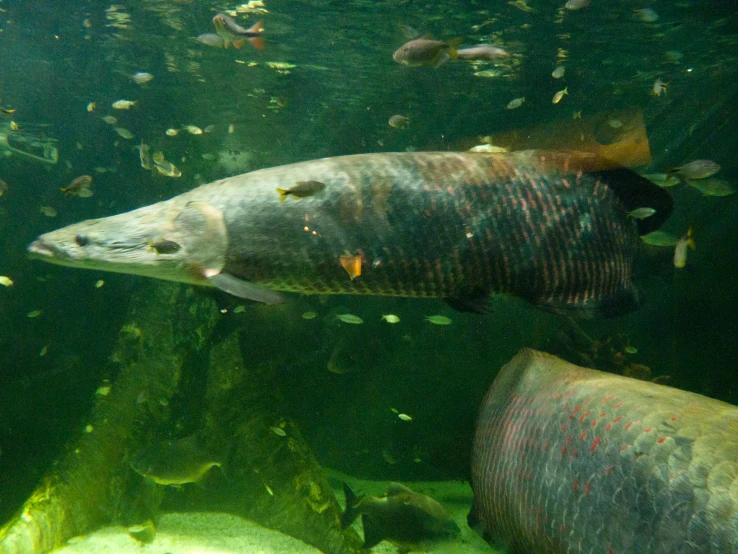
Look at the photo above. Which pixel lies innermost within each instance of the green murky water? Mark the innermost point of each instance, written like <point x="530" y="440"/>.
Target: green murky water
<point x="326" y="85"/>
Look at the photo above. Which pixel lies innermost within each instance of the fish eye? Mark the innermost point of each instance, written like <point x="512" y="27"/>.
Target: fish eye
<point x="81" y="240"/>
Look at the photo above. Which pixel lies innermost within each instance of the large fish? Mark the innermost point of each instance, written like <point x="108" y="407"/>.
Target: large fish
<point x="456" y="226"/>
<point x="568" y="459"/>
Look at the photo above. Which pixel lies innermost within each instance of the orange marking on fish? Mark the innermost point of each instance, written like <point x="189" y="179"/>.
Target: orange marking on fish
<point x="661" y="440"/>
<point x="352" y="265"/>
<point x="648" y="430"/>
<point x="595" y="443"/>
<point x="586" y="487"/>
<point x="583" y="436"/>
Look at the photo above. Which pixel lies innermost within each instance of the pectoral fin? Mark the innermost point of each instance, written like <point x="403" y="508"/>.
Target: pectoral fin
<point x="244" y="289"/>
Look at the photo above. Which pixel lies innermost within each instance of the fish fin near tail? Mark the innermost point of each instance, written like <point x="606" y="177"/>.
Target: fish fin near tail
<point x="244" y="289"/>
<point x="352" y="501"/>
<point x="373" y="532"/>
<point x="239" y="43"/>
<point x="257" y="43"/>
<point x="473" y="299"/>
<point x="635" y="191"/>
<point x="282" y="194"/>
<point x="622" y="302"/>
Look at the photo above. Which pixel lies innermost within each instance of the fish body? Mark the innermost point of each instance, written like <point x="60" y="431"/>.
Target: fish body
<point x="680" y="251"/>
<point x="515" y="103"/>
<point x="81" y="187"/>
<point x="426" y="51"/>
<point x="301" y="189"/>
<point x="211" y="39"/>
<point x="559" y="95"/>
<point x="455" y="226"/>
<point x="697" y="169"/>
<point x="642" y="213"/>
<point x="233" y="34"/>
<point x="559" y="72"/>
<point x="404" y="517"/>
<point x="175" y="462"/>
<point x="142" y="78"/>
<point x="574" y="5"/>
<point x="483" y="52"/>
<point x="123" y="104"/>
<point x="568" y="459"/>
<point x="399" y="121"/>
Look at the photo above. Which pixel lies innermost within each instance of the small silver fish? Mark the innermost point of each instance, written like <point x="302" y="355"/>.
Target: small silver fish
<point x="641" y="213"/>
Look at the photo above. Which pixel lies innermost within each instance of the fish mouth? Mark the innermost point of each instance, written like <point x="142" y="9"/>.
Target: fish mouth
<point x="39" y="249"/>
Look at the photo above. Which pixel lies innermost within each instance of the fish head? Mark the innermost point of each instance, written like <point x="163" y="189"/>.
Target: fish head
<point x="194" y="233"/>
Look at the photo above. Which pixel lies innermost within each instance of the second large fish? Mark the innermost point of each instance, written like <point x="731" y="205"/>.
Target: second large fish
<point x="539" y="225"/>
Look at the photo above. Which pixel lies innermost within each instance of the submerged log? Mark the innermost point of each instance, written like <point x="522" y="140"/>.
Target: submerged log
<point x="92" y="485"/>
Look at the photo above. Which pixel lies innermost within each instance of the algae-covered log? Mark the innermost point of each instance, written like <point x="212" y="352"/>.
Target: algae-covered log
<point x="86" y="488"/>
<point x="159" y="353"/>
<point x="272" y="476"/>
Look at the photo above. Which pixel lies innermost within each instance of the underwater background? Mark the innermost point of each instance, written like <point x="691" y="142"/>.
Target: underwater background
<point x="326" y="85"/>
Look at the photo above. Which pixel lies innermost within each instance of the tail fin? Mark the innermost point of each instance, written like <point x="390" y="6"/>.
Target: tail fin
<point x="254" y="32"/>
<point x="257" y="43"/>
<point x="282" y="194"/>
<point x="352" y="501"/>
<point x="239" y="43"/>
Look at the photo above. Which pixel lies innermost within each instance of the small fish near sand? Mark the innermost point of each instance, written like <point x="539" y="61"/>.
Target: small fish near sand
<point x="426" y="51"/>
<point x="302" y="189"/>
<point x="175" y="462"/>
<point x="80" y="187"/>
<point x="233" y="34"/>
<point x="406" y="518"/>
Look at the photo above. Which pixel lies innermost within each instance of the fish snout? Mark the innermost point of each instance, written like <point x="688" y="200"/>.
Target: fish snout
<point x="42" y="249"/>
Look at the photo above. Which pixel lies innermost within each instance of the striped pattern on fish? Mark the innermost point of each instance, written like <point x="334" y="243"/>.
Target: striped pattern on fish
<point x="568" y="459"/>
<point x="534" y="224"/>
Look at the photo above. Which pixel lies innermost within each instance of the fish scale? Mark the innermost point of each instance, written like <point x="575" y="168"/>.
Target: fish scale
<point x="568" y="459"/>
<point x="540" y="225"/>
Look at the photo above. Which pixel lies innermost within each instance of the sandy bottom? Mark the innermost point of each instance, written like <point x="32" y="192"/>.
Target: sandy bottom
<point x="192" y="533"/>
<point x="211" y="533"/>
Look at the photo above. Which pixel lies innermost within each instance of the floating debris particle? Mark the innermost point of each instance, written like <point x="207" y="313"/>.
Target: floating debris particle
<point x="405" y="417"/>
<point x="6" y="281"/>
<point x="391" y="318"/>
<point x="33" y="314"/>
<point x="48" y="211"/>
<point x="309" y="315"/>
<point x="279" y="431"/>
